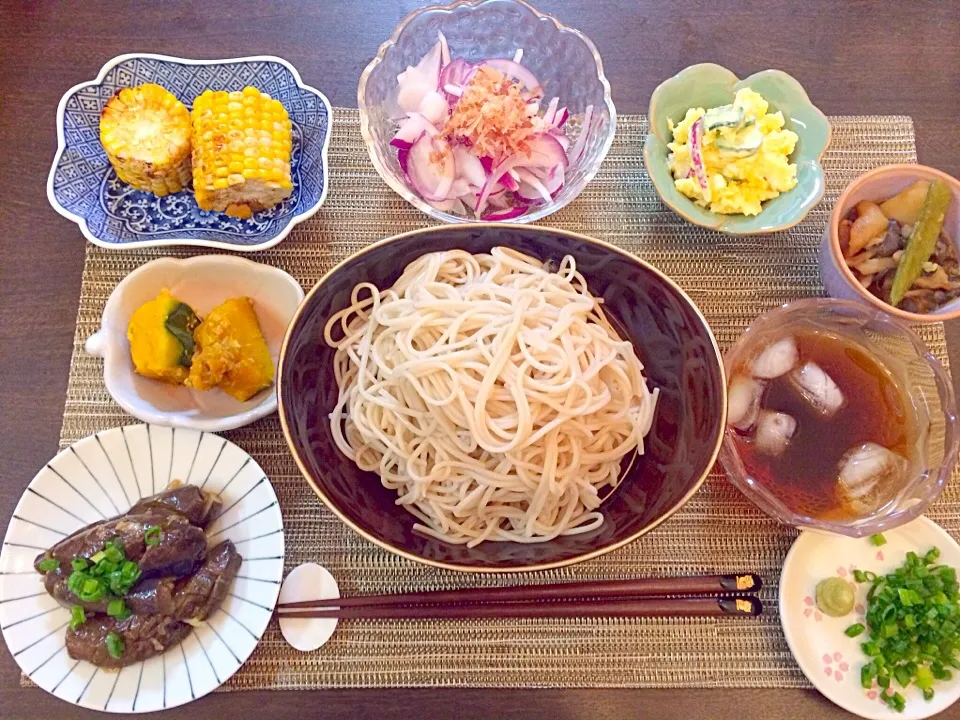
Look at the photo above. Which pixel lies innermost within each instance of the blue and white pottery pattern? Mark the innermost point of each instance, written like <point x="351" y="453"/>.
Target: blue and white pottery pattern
<point x="99" y="477"/>
<point x="84" y="187"/>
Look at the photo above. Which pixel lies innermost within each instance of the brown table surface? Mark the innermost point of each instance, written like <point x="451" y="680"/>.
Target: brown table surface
<point x="853" y="57"/>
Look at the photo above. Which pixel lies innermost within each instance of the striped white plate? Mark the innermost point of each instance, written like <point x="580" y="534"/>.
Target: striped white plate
<point x="102" y="476"/>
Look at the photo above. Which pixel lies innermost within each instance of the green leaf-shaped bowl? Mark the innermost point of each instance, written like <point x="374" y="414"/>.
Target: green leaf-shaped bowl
<point x="708" y="85"/>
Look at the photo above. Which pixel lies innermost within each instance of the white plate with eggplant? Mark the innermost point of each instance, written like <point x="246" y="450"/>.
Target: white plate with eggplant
<point x="140" y="568"/>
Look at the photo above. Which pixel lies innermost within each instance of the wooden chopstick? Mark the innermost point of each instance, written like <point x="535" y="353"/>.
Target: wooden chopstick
<point x="742" y="605"/>
<point x="604" y="589"/>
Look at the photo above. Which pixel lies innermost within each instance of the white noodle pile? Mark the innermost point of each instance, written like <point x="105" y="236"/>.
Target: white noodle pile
<point x="492" y="395"/>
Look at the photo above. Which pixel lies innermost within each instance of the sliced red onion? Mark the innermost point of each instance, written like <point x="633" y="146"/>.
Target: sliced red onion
<point x="561" y="138"/>
<point x="533" y="181"/>
<point x="415" y="82"/>
<point x="545" y="151"/>
<point x="518" y="55"/>
<point x="515" y="211"/>
<point x="412" y="92"/>
<point x="500" y="200"/>
<point x="459" y="188"/>
<point x="577" y="150"/>
<point x="487" y="163"/>
<point x="403" y="157"/>
<point x="469" y="166"/>
<point x="431" y="167"/>
<point x="444" y="50"/>
<point x="401" y="144"/>
<point x="696" y="157"/>
<point x="528" y="193"/>
<point x="554" y="180"/>
<point x="456" y="74"/>
<point x="516" y="71"/>
<point x="561" y="117"/>
<point x="498" y="172"/>
<point x="434" y="107"/>
<point x="412" y="128"/>
<point x="509" y="181"/>
<point x="442" y="205"/>
<point x="551" y="112"/>
<point x="453" y="90"/>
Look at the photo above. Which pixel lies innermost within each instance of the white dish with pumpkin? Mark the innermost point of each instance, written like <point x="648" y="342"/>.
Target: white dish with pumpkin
<point x="194" y="342"/>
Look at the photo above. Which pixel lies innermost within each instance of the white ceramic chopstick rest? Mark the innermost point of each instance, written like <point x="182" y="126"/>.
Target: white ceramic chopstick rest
<point x="308" y="582"/>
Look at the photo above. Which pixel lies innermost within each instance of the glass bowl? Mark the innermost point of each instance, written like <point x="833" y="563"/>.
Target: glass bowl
<point x="563" y="59"/>
<point x="925" y="385"/>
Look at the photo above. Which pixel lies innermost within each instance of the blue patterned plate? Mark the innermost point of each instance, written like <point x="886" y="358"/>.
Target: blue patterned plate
<point x="84" y="187"/>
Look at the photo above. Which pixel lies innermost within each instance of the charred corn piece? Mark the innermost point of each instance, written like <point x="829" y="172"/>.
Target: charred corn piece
<point x="145" y="132"/>
<point x="241" y="151"/>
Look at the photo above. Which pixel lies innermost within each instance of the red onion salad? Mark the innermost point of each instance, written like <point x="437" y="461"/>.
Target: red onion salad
<point x="476" y="140"/>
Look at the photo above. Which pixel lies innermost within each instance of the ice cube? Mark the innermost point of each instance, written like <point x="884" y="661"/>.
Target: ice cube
<point x="776" y="359"/>
<point x="774" y="430"/>
<point x="869" y="473"/>
<point x="743" y="401"/>
<point x="818" y="388"/>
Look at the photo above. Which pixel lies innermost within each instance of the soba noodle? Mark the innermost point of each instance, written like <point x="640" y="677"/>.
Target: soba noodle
<point x="491" y="394"/>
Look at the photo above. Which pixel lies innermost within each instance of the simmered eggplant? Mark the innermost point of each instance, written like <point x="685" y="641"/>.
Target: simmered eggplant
<point x="187" y="500"/>
<point x="179" y="549"/>
<point x="154" y="595"/>
<point x="111" y="643"/>
<point x="137" y="583"/>
<point x="200" y="594"/>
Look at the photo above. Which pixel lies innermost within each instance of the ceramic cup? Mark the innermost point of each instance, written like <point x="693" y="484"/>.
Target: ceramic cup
<point x="878" y="185"/>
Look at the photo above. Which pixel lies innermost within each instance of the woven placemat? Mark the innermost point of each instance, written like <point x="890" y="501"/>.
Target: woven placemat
<point x="733" y="279"/>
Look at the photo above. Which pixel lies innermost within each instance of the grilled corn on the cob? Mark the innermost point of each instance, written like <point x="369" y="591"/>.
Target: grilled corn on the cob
<point x="241" y="151"/>
<point x="145" y="132"/>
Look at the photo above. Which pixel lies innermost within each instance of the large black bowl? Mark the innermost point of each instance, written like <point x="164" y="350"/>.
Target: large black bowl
<point x="679" y="354"/>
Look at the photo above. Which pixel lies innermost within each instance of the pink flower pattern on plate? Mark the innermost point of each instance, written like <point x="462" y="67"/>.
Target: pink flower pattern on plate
<point x="835" y="666"/>
<point x="810" y="610"/>
<point x="874" y="693"/>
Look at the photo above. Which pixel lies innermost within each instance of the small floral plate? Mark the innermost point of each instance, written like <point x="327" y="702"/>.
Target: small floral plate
<point x="83" y="186"/>
<point x="830" y="659"/>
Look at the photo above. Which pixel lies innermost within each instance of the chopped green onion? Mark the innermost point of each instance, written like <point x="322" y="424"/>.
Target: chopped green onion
<point x="859" y="576"/>
<point x="98" y="557"/>
<point x="49" y="564"/>
<point x="854" y="630"/>
<point x="114" y="645"/>
<point x="878" y="540"/>
<point x="114" y="552"/>
<point x="153" y="536"/>
<point x="79" y="564"/>
<point x="92" y="590"/>
<point x="118" y="609"/>
<point x="124" y="578"/>
<point x="913" y="620"/>
<point x="77" y="617"/>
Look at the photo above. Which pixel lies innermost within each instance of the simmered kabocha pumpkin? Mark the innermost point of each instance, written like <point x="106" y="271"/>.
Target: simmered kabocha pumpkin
<point x="161" y="338"/>
<point x="231" y="352"/>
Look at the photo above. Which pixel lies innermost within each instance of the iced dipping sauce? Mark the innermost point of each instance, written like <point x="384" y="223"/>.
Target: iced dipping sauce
<point x="822" y="423"/>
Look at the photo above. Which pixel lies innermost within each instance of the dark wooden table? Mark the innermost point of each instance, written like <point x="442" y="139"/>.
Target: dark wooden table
<point x="852" y="56"/>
